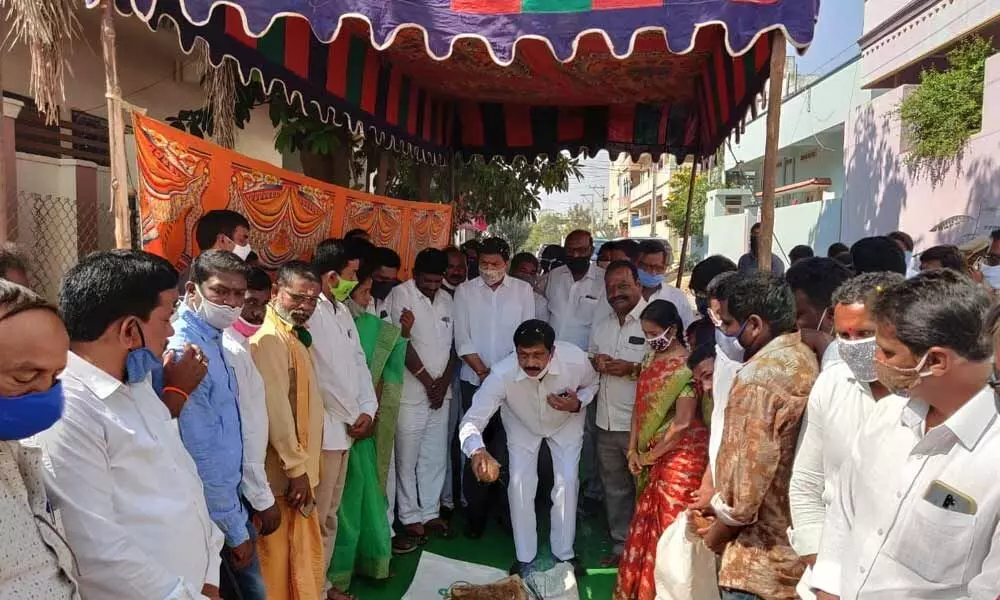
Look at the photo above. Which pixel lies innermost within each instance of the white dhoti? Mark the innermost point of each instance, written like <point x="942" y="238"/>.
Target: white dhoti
<point x="565" y="446"/>
<point x="421" y="456"/>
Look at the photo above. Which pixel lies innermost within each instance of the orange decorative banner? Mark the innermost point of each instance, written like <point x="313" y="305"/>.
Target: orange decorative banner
<point x="182" y="177"/>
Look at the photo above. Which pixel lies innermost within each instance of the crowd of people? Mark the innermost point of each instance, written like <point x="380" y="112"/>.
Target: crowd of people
<point x="826" y="430"/>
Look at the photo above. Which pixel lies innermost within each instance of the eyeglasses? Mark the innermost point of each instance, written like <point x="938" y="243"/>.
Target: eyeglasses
<point x="302" y="299"/>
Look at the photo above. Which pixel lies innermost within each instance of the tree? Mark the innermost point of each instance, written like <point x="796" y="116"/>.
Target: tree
<point x="947" y="108"/>
<point x="579" y="217"/>
<point x="677" y="199"/>
<point x="548" y="229"/>
<point x="514" y="231"/>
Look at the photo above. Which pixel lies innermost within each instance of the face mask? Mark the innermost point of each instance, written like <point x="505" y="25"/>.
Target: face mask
<point x="243" y="251"/>
<point x="542" y="373"/>
<point x="603" y="263"/>
<point x="245" y="328"/>
<point x="356" y="309"/>
<point x="991" y="275"/>
<point x="529" y="279"/>
<point x="578" y="265"/>
<point x="141" y="361"/>
<point x="860" y="357"/>
<point x="900" y="381"/>
<point x="730" y="344"/>
<point x="24" y="416"/>
<point x="219" y="316"/>
<point x="702" y="305"/>
<point x="381" y="289"/>
<point x="343" y="289"/>
<point x="648" y="280"/>
<point x="908" y="258"/>
<point x="661" y="342"/>
<point x="492" y="276"/>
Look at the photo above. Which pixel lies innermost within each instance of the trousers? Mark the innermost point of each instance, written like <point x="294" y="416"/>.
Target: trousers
<point x="451" y="491"/>
<point x="484" y="498"/>
<point x="619" y="485"/>
<point x="247" y="584"/>
<point x="565" y="447"/>
<point x="421" y="457"/>
<point x="333" y="473"/>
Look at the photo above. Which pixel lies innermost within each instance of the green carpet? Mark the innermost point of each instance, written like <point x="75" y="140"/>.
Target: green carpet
<point x="496" y="549"/>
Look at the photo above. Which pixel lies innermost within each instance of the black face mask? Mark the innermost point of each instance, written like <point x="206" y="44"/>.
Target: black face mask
<point x="578" y="266"/>
<point x="381" y="289"/>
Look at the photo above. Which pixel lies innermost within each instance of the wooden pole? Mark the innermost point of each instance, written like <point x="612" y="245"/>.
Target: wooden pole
<point x="4" y="226"/>
<point x="774" y="99"/>
<point x="116" y="131"/>
<point x="424" y="182"/>
<point x="382" y="176"/>
<point x="687" y="221"/>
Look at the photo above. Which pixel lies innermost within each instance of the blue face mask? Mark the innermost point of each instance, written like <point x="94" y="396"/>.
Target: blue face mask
<point x="24" y="416"/>
<point x="648" y="280"/>
<point x="730" y="344"/>
<point x="141" y="362"/>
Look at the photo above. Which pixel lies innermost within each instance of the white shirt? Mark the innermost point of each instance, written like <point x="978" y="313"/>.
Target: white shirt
<point x="575" y="306"/>
<point x="883" y="540"/>
<point x="128" y="491"/>
<point x="253" y="419"/>
<point x="541" y="307"/>
<point x="485" y="320"/>
<point x="838" y="406"/>
<point x="431" y="336"/>
<point x="342" y="373"/>
<point x="722" y="381"/>
<point x="616" y="397"/>
<point x="523" y="399"/>
<point x="680" y="301"/>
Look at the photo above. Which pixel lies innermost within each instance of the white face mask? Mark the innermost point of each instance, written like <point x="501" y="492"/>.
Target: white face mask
<point x="219" y="316"/>
<point x="541" y="373"/>
<point x="860" y="357"/>
<point x="491" y="276"/>
<point x="991" y="275"/>
<point x="243" y="251"/>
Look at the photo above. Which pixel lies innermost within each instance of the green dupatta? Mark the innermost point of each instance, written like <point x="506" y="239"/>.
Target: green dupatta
<point x="660" y="412"/>
<point x="364" y="541"/>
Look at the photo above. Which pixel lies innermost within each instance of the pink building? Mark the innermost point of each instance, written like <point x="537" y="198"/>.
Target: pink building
<point x="948" y="205"/>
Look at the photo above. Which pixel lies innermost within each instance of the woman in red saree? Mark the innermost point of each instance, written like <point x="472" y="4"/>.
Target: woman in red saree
<point x="668" y="447"/>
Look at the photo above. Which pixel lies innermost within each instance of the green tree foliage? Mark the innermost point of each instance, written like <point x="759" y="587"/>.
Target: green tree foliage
<point x="677" y="201"/>
<point x="514" y="231"/>
<point x="947" y="108"/>
<point x="548" y="229"/>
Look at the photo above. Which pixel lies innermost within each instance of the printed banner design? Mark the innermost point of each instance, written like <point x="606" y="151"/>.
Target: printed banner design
<point x="182" y="177"/>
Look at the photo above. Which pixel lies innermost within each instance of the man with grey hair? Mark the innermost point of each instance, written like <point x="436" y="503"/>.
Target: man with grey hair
<point x="13" y="264"/>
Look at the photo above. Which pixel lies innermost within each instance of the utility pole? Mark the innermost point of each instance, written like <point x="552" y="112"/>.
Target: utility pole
<point x="653" y="202"/>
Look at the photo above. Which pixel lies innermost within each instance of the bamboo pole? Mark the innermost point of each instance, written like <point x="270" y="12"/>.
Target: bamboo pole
<point x="116" y="131"/>
<point x="687" y="221"/>
<point x="774" y="98"/>
<point x="382" y="176"/>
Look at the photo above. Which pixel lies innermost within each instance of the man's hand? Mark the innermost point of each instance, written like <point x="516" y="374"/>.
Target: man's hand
<point x="568" y="401"/>
<point x="406" y="321"/>
<point x="702" y="498"/>
<point x="299" y="493"/>
<point x="211" y="592"/>
<point x="618" y="368"/>
<point x="242" y="555"/>
<point x="186" y="372"/>
<point x="820" y="595"/>
<point x="437" y="392"/>
<point x="600" y="362"/>
<point x="485" y="467"/>
<point x="634" y="465"/>
<point x="268" y="520"/>
<point x="718" y="536"/>
<point x="809" y="560"/>
<point x="482" y="375"/>
<point x="362" y="427"/>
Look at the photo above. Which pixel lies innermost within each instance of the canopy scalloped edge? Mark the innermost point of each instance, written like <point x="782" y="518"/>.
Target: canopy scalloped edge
<point x="374" y="31"/>
<point x="327" y="114"/>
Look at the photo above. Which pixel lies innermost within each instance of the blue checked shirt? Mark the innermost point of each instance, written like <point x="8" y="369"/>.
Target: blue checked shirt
<point x="210" y="427"/>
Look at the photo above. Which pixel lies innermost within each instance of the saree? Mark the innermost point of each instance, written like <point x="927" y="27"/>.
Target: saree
<point x="364" y="542"/>
<point x="664" y="489"/>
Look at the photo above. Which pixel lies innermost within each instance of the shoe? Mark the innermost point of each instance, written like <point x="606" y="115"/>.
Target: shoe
<point x="474" y="532"/>
<point x="402" y="544"/>
<point x="519" y="568"/>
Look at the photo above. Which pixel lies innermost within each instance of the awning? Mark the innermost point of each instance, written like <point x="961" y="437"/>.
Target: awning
<point x="506" y="77"/>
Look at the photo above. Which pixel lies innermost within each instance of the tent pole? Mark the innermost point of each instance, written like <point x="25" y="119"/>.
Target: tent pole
<point x="687" y="221"/>
<point x="774" y="99"/>
<point x="116" y="131"/>
<point x="4" y="226"/>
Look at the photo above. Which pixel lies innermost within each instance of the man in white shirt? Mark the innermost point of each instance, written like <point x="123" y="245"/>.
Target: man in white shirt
<point x="541" y="390"/>
<point x="524" y="266"/>
<point x="128" y="491"/>
<point x="918" y="501"/>
<point x="422" y="426"/>
<point x="253" y="408"/>
<point x="617" y="347"/>
<point x="655" y="257"/>
<point x="813" y="281"/>
<point x="349" y="402"/>
<point x="577" y="301"/>
<point x="487" y="311"/>
<point x="841" y="400"/>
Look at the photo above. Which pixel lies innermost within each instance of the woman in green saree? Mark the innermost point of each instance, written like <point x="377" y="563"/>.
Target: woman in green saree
<point x="364" y="543"/>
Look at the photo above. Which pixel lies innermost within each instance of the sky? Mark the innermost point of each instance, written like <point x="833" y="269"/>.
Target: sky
<point x="834" y="43"/>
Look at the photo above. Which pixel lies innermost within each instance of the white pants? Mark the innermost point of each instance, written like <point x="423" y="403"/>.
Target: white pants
<point x="421" y="454"/>
<point x="565" y="446"/>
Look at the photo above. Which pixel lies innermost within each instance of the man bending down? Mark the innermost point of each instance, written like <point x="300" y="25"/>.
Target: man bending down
<point x="541" y="390"/>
